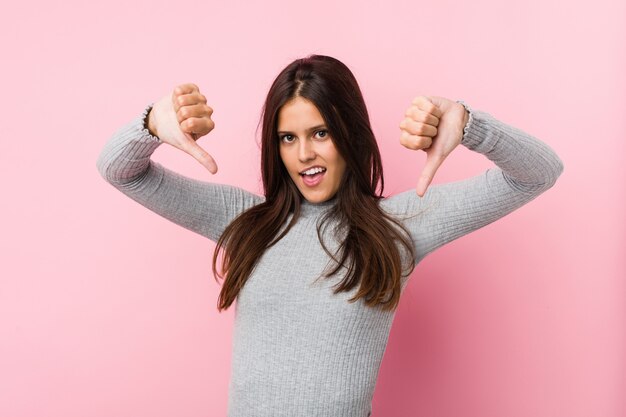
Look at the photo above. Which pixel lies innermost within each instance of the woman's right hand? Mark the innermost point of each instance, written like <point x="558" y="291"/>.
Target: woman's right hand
<point x="182" y="118"/>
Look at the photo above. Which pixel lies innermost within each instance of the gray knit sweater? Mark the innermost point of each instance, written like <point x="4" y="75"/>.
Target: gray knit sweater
<point x="299" y="349"/>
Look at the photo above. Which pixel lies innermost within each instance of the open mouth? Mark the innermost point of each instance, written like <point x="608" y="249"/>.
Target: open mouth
<point x="312" y="170"/>
<point x="313" y="179"/>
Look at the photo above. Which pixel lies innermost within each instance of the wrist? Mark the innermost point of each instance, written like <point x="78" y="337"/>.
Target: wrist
<point x="466" y="114"/>
<point x="467" y="118"/>
<point x="150" y="124"/>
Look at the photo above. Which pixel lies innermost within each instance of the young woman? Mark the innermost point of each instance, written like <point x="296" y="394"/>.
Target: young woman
<point x="318" y="263"/>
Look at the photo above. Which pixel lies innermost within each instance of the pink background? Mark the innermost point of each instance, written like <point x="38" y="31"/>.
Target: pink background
<point x="107" y="309"/>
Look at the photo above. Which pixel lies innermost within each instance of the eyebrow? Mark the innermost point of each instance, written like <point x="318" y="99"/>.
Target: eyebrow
<point x="308" y="130"/>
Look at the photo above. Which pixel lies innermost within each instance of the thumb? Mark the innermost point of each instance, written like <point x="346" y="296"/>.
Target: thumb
<point x="202" y="156"/>
<point x="428" y="173"/>
<point x="440" y="104"/>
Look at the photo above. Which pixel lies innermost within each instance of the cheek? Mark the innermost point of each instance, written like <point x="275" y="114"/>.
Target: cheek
<point x="340" y="163"/>
<point x="287" y="161"/>
<point x="283" y="157"/>
<point x="341" y="171"/>
<point x="332" y="154"/>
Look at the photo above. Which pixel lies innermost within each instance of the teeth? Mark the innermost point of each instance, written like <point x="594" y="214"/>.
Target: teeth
<point x="313" y="171"/>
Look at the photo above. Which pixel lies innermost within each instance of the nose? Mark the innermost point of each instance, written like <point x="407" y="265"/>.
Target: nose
<point x="305" y="150"/>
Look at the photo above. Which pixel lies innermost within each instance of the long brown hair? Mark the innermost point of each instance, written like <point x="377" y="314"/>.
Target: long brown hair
<point x="368" y="247"/>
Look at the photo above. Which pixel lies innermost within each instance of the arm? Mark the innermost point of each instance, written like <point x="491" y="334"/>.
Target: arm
<point x="202" y="207"/>
<point x="525" y="168"/>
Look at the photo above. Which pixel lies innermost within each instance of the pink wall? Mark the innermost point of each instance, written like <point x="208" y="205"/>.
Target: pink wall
<point x="108" y="310"/>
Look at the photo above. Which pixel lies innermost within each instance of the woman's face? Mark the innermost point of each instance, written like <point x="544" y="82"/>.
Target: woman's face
<point x="305" y="144"/>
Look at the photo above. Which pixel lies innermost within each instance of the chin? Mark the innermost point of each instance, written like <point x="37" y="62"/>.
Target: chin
<point x="316" y="198"/>
<point x="313" y="199"/>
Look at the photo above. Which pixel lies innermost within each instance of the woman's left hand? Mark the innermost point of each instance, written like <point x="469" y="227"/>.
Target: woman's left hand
<point x="435" y="125"/>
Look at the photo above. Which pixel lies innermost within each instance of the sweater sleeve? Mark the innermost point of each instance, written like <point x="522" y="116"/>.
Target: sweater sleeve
<point x="525" y="167"/>
<point x="202" y="207"/>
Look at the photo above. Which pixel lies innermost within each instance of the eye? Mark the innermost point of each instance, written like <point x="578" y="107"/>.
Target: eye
<point x="283" y="138"/>
<point x="325" y="133"/>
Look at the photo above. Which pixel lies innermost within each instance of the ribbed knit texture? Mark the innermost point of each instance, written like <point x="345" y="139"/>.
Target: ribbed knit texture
<point x="299" y="349"/>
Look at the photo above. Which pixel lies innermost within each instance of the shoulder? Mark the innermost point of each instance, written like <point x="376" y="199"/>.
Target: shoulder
<point x="401" y="202"/>
<point x="409" y="204"/>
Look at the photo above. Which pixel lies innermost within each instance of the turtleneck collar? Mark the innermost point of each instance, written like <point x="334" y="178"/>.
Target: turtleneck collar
<point x="308" y="207"/>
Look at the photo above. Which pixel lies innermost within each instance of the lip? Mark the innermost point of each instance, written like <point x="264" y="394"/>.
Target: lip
<point x="315" y="183"/>
<point x="314" y="166"/>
